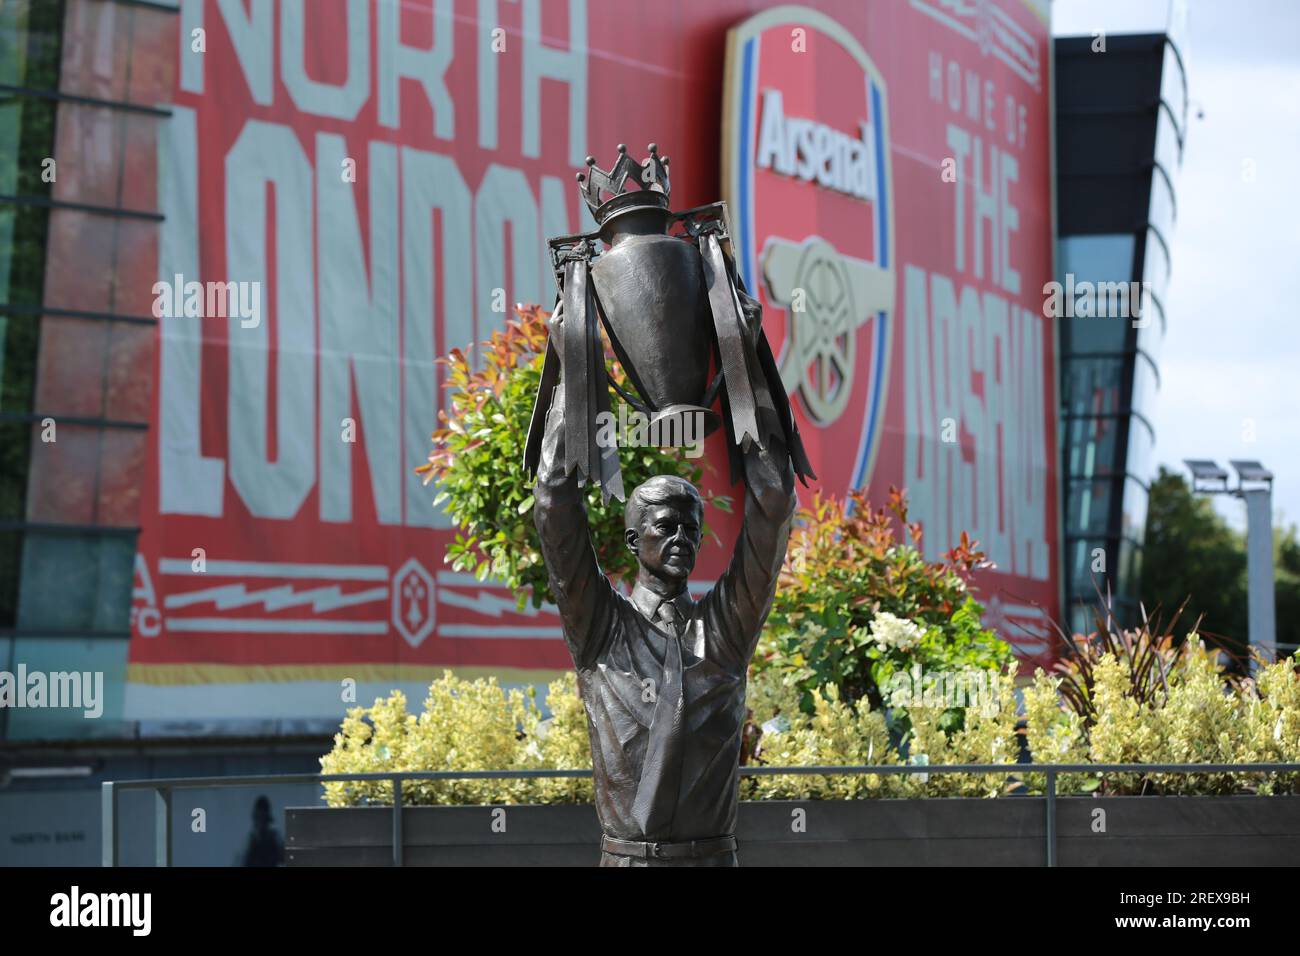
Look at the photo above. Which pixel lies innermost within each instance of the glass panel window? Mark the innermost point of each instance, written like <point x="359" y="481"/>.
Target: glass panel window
<point x="1141" y="447"/>
<point x="1091" y="445"/>
<point x="106" y="656"/>
<point x="1155" y="266"/>
<point x="1146" y="383"/>
<point x="1094" y="334"/>
<point x="11" y="545"/>
<point x="1130" y="571"/>
<point x="75" y="581"/>
<point x="1081" y="619"/>
<point x="15" y="450"/>
<point x="1088" y="504"/>
<point x="1163" y="209"/>
<point x="1151" y="332"/>
<point x="1168" y="153"/>
<point x="1094" y="385"/>
<point x="1093" y="260"/>
<point x="1133" y="520"/>
<point x="1096" y="258"/>
<point x="1085" y="554"/>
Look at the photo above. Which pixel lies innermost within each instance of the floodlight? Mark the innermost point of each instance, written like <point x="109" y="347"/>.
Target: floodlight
<point x="1251" y="471"/>
<point x="1255" y="489"/>
<point x="1203" y="469"/>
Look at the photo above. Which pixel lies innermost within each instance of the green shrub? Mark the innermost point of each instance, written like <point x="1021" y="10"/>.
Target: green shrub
<point x="1198" y="717"/>
<point x="837" y="733"/>
<point x="465" y="725"/>
<point x="851" y="733"/>
<point x="476" y="725"/>
<point x="859" y="609"/>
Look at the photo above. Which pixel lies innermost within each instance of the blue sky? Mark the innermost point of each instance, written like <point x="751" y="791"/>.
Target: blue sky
<point x="1232" y="356"/>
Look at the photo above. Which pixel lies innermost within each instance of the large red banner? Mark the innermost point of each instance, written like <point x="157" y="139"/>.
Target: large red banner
<point x="354" y="187"/>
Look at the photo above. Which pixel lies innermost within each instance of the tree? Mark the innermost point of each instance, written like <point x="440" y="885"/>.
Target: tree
<point x="1191" y="554"/>
<point x="1286" y="577"/>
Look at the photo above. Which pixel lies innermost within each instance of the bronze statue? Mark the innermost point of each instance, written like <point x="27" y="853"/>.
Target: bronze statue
<point x="662" y="677"/>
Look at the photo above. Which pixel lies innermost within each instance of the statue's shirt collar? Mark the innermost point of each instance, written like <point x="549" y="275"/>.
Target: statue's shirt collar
<point x="648" y="603"/>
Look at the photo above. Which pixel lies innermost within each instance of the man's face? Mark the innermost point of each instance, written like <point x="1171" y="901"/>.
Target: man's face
<point x="668" y="541"/>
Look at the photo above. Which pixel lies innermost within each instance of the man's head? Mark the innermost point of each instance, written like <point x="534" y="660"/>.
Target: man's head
<point x="663" y="518"/>
<point x="262" y="812"/>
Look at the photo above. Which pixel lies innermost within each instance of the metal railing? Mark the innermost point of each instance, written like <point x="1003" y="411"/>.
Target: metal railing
<point x="163" y="788"/>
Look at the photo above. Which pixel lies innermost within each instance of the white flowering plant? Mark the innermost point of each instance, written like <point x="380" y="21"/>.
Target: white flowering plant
<point x="859" y="607"/>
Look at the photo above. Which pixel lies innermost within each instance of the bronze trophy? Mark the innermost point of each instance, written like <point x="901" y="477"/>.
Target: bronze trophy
<point x="668" y="295"/>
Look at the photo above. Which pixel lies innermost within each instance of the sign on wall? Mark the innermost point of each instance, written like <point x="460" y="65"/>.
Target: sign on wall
<point x="890" y="196"/>
<point x="350" y="194"/>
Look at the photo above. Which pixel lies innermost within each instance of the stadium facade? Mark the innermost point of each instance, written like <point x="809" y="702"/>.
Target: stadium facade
<point x="1121" y="122"/>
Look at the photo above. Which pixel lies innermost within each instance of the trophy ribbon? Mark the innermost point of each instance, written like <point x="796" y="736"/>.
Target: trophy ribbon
<point x="731" y="344"/>
<point x="586" y="387"/>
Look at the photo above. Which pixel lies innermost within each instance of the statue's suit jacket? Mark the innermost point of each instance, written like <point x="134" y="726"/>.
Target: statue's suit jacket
<point x="665" y="711"/>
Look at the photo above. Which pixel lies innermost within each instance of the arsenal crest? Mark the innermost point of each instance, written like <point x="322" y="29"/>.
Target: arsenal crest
<point x="805" y="173"/>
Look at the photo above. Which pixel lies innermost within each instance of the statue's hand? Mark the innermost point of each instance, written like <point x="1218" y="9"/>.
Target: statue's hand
<point x="555" y="415"/>
<point x="555" y="326"/>
<point x="751" y="315"/>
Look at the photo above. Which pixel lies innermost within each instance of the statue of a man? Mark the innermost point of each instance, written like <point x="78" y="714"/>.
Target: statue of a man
<point x="662" y="676"/>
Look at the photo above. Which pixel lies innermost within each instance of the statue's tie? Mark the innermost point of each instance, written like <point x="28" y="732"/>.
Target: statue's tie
<point x="670" y="619"/>
<point x="655" y="804"/>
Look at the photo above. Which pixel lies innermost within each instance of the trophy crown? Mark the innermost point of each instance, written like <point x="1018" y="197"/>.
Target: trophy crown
<point x="600" y="188"/>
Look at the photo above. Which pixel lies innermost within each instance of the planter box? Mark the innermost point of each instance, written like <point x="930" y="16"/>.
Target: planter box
<point x="1007" y="831"/>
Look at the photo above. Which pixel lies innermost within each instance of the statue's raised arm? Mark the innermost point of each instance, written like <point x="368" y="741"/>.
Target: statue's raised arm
<point x="738" y="604"/>
<point x="582" y="593"/>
